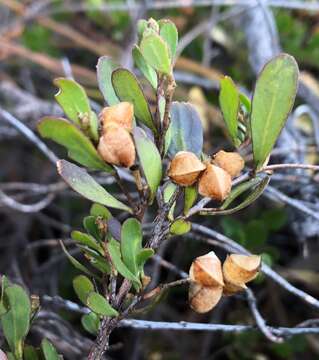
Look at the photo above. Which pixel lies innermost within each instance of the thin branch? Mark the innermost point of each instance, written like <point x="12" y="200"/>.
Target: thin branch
<point x="290" y="166"/>
<point x="29" y="135"/>
<point x="260" y="321"/>
<point x="187" y="326"/>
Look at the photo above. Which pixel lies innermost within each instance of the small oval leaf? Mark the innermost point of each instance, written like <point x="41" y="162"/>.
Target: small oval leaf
<point x="187" y="130"/>
<point x="83" y="183"/>
<point x="150" y="160"/>
<point x="156" y="52"/>
<point x="72" y="98"/>
<point x="104" y="69"/>
<point x="91" y="323"/>
<point x="273" y="99"/>
<point x="82" y="286"/>
<point x="49" y="351"/>
<point x="115" y="254"/>
<point x="131" y="243"/>
<point x="98" y="304"/>
<point x="229" y="104"/>
<point x="146" y="70"/>
<point x="169" y="33"/>
<point x="180" y="227"/>
<point x="128" y="89"/>
<point x="79" y="146"/>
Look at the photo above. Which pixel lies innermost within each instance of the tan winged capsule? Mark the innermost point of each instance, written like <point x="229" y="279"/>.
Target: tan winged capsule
<point x="239" y="269"/>
<point x="215" y="183"/>
<point x="116" y="146"/>
<point x="204" y="298"/>
<point x="185" y="168"/>
<point x="121" y="114"/>
<point x="231" y="162"/>
<point x="206" y="270"/>
<point x="231" y="289"/>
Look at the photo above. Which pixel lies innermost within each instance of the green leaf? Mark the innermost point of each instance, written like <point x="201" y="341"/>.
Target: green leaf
<point x="30" y="353"/>
<point x="82" y="286"/>
<point x="96" y="260"/>
<point x="48" y="350"/>
<point x="190" y="197"/>
<point x="81" y="182"/>
<point x="91" y="323"/>
<point x="275" y="219"/>
<point x="168" y="192"/>
<point x="86" y="240"/>
<point x="273" y="99"/>
<point x="100" y="210"/>
<point x="229" y="104"/>
<point x="143" y="256"/>
<point x="180" y="227"/>
<point x="141" y="27"/>
<point x="79" y="146"/>
<point x="187" y="130"/>
<point x="75" y="262"/>
<point x="169" y="34"/>
<point x="238" y="190"/>
<point x="246" y="102"/>
<point x="146" y="70"/>
<point x="16" y="321"/>
<point x="98" y="304"/>
<point x="115" y="255"/>
<point x="89" y="223"/>
<point x="156" y="52"/>
<point x="252" y="197"/>
<point x="104" y="69"/>
<point x="72" y="99"/>
<point x="129" y="89"/>
<point x="131" y="243"/>
<point x="150" y="160"/>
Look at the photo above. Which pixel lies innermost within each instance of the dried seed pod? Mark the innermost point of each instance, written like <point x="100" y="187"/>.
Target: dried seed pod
<point x="206" y="270"/>
<point x="215" y="183"/>
<point x="203" y="298"/>
<point x="240" y="269"/>
<point x="231" y="162"/>
<point x="185" y="168"/>
<point x="116" y="146"/>
<point x="231" y="289"/>
<point x="121" y="114"/>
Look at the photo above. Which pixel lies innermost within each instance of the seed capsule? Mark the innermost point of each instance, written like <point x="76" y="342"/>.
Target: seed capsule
<point x="231" y="162"/>
<point x="231" y="289"/>
<point x="206" y="270"/>
<point x="116" y="146"/>
<point x="240" y="269"/>
<point x="185" y="168"/>
<point x="121" y="114"/>
<point x="203" y="298"/>
<point x="215" y="183"/>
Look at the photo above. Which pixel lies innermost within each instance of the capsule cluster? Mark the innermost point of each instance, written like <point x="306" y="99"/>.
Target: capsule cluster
<point x="210" y="279"/>
<point x="116" y="145"/>
<point x="214" y="177"/>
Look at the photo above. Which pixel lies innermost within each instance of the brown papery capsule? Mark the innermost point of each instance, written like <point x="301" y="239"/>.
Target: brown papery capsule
<point x="215" y="183"/>
<point x="185" y="168"/>
<point x="116" y="146"/>
<point x="206" y="270"/>
<point x="203" y="298"/>
<point x="231" y="289"/>
<point x="231" y="162"/>
<point x="239" y="269"/>
<point x="120" y="114"/>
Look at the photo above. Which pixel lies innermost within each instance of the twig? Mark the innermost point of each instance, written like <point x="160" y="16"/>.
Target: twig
<point x="187" y="326"/>
<point x="163" y="287"/>
<point x="260" y="322"/>
<point x="28" y="134"/>
<point x="26" y="208"/>
<point x="290" y="166"/>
